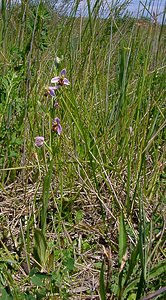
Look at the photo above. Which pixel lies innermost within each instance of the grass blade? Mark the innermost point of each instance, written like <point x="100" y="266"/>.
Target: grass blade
<point x="102" y="284"/>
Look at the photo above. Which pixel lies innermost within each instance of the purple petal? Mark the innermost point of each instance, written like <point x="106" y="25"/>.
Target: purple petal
<point x="63" y="73"/>
<point x="53" y="87"/>
<point x="39" y="141"/>
<point x="56" y="105"/>
<point x="66" y="81"/>
<point x="51" y="91"/>
<point x="56" y="126"/>
<point x="57" y="87"/>
<point x="59" y="129"/>
<point x="55" y="79"/>
<point x="57" y="120"/>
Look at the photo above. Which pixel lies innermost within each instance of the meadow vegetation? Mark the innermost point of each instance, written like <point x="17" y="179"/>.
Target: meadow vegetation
<point x="82" y="213"/>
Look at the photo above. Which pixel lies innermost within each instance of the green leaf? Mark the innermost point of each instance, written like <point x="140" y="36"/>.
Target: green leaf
<point x="131" y="286"/>
<point x="132" y="297"/>
<point x="158" y="270"/>
<point x="13" y="154"/>
<point x="140" y="286"/>
<point x="46" y="190"/>
<point x="41" y="294"/>
<point x="40" y="246"/>
<point x="122" y="253"/>
<point x="8" y="261"/>
<point x="102" y="285"/>
<point x="132" y="263"/>
<point x="37" y="280"/>
<point x="122" y="238"/>
<point x="50" y="262"/>
<point x="4" y="295"/>
<point x="78" y="216"/>
<point x="69" y="263"/>
<point x="28" y="297"/>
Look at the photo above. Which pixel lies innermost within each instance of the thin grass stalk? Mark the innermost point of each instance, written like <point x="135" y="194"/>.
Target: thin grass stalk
<point x="27" y="92"/>
<point x="108" y="69"/>
<point x="140" y="90"/>
<point x="25" y="247"/>
<point x="21" y="32"/>
<point x="90" y="17"/>
<point x="142" y="247"/>
<point x="45" y="197"/>
<point x="82" y="130"/>
<point x="103" y="294"/>
<point x="106" y="162"/>
<point x="4" y="18"/>
<point x="122" y="253"/>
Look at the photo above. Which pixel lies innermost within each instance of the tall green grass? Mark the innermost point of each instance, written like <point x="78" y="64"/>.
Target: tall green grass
<point x="89" y="204"/>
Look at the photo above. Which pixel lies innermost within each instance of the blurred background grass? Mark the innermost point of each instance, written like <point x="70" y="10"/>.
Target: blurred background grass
<point x="89" y="221"/>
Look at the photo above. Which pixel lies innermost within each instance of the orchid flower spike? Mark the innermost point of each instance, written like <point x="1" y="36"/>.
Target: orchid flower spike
<point x="60" y="80"/>
<point x="56" y="126"/>
<point x="39" y="141"/>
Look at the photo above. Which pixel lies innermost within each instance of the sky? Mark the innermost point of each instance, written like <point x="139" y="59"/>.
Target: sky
<point x="156" y="6"/>
<point x="135" y="6"/>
